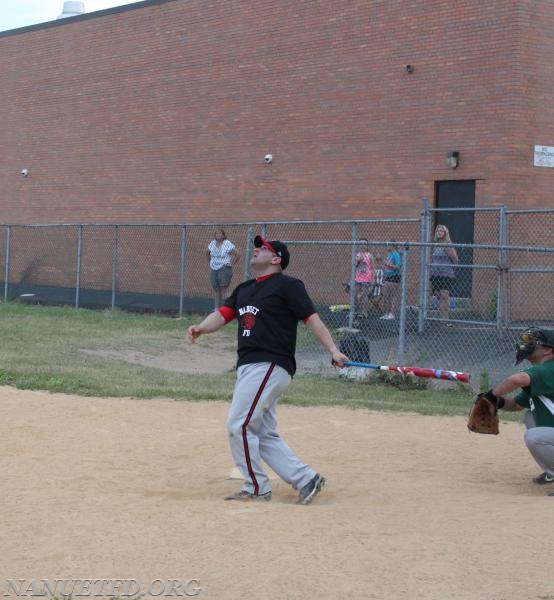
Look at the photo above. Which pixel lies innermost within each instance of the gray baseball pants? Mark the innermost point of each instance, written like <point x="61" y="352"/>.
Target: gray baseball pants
<point x="252" y="427"/>
<point x="540" y="443"/>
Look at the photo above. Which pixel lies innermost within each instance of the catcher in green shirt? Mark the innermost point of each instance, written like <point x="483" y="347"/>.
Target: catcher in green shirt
<point x="536" y="394"/>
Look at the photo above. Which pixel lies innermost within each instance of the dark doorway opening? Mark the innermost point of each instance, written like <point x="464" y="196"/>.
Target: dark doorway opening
<point x="460" y="223"/>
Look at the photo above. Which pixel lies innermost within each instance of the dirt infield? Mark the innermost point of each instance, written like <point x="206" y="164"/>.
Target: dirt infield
<point x="415" y="507"/>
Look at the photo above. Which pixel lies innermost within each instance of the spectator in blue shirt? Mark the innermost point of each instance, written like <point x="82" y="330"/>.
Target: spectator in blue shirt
<point x="391" y="284"/>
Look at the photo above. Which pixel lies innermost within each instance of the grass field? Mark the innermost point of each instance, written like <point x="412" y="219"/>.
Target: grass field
<point x="71" y="351"/>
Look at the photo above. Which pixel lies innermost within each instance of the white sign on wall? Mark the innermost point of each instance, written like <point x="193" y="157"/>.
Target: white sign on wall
<point x="544" y="156"/>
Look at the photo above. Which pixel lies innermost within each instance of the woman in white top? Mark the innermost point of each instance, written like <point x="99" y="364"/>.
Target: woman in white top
<point x="222" y="255"/>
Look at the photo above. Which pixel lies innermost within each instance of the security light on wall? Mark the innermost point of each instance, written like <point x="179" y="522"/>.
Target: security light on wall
<point x="453" y="159"/>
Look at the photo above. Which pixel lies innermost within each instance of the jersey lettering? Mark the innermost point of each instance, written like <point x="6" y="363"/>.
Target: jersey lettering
<point x="249" y="309"/>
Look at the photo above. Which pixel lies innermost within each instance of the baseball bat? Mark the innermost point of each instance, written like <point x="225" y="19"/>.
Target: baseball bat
<point x="417" y="371"/>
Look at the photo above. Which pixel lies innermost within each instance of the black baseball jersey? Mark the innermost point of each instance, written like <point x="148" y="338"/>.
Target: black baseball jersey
<point x="268" y="311"/>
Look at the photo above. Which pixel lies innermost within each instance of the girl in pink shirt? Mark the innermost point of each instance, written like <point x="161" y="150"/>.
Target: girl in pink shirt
<point x="363" y="277"/>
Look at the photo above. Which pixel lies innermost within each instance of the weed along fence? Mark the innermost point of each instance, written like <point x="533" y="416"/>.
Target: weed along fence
<point x="504" y="279"/>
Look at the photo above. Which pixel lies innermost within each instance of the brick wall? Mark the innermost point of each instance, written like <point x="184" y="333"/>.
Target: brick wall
<point x="163" y="113"/>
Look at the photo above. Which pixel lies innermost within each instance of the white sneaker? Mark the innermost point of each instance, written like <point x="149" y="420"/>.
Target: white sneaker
<point x="388" y="316"/>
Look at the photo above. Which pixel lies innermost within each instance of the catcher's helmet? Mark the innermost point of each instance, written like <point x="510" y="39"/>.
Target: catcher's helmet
<point x="530" y="339"/>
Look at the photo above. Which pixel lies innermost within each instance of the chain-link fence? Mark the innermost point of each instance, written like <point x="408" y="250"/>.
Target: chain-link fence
<point x="503" y="279"/>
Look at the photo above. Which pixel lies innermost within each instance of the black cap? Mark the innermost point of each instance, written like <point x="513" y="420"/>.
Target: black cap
<point x="276" y="247"/>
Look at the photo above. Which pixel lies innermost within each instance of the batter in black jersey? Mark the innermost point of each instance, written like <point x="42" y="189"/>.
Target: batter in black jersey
<point x="268" y="310"/>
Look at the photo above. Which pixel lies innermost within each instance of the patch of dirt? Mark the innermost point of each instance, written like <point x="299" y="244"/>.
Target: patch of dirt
<point x="210" y="355"/>
<point x="414" y="507"/>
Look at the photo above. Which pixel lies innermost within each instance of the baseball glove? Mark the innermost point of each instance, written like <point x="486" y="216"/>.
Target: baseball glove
<point x="483" y="416"/>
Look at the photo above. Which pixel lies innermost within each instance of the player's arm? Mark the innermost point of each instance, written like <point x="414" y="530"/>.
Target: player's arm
<point x="211" y="323"/>
<point x="509" y="385"/>
<point x="324" y="337"/>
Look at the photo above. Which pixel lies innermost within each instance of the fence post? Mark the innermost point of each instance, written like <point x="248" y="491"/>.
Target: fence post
<point x="79" y="256"/>
<point x="423" y="252"/>
<point x="403" y="296"/>
<point x="7" y="263"/>
<point x="182" y="270"/>
<point x="502" y="288"/>
<point x="352" y="309"/>
<point x="114" y="262"/>
<point x="249" y="246"/>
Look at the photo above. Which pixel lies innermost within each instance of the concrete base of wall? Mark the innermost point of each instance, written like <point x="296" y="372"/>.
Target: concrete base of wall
<point x="102" y="299"/>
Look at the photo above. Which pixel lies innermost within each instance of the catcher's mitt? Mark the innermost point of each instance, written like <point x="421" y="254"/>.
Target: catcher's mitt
<point x="483" y="416"/>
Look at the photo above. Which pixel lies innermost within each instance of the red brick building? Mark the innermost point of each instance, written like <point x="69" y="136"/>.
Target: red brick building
<point x="163" y="112"/>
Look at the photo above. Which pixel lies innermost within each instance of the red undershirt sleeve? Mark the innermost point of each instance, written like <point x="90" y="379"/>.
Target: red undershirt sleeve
<point x="227" y="313"/>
